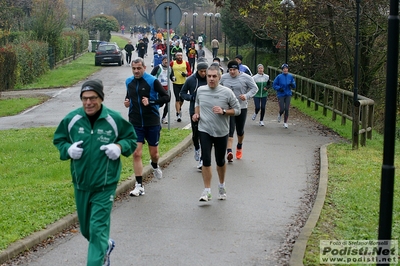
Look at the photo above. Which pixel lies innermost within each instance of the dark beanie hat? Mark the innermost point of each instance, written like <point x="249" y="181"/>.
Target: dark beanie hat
<point x="202" y="65"/>
<point x="233" y="64"/>
<point x="239" y="57"/>
<point x="95" y="85"/>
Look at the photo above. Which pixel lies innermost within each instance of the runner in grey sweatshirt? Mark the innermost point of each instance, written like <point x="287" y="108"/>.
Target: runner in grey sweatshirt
<point x="244" y="87"/>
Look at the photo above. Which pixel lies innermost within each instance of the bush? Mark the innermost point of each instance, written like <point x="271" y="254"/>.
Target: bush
<point x="8" y="67"/>
<point x="32" y="58"/>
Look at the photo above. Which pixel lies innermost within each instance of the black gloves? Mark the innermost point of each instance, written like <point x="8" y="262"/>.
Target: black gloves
<point x="183" y="74"/>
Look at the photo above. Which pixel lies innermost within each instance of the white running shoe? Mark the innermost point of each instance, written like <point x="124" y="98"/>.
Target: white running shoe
<point x="138" y="191"/>
<point x="200" y="165"/>
<point x="157" y="172"/>
<point x="205" y="196"/>
<point x="285" y="125"/>
<point x="222" y="193"/>
<point x="164" y="121"/>
<point x="111" y="246"/>
<point x="254" y="116"/>
<point x="178" y="118"/>
<point x="279" y="118"/>
<point x="197" y="154"/>
<point x="261" y="123"/>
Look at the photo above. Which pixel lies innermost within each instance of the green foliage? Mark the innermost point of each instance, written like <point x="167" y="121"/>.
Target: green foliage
<point x="32" y="61"/>
<point x="72" y="42"/>
<point x="8" y="67"/>
<point x="103" y="23"/>
<point x="48" y="22"/>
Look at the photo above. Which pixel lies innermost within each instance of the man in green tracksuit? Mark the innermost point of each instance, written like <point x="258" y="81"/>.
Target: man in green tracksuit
<point x="93" y="137"/>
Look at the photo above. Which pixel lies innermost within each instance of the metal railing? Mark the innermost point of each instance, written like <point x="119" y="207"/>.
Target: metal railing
<point x="338" y="101"/>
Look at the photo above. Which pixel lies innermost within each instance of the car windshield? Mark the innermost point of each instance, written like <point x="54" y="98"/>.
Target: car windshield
<point x="107" y="48"/>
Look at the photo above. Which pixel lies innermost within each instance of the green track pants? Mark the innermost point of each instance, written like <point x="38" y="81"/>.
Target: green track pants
<point x="94" y="214"/>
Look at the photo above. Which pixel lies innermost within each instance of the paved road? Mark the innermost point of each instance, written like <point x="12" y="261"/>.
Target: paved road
<point x="168" y="225"/>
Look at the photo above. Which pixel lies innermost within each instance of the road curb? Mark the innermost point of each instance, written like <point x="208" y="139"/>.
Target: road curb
<point x="299" y="247"/>
<point x="28" y="242"/>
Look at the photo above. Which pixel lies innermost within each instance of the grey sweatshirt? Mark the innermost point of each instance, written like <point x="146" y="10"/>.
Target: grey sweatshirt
<point x="241" y="84"/>
<point x="216" y="125"/>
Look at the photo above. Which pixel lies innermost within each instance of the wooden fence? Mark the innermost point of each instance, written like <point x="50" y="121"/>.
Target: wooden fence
<point x="337" y="100"/>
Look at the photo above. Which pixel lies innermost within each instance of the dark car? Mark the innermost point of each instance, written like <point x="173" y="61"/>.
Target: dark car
<point x="108" y="53"/>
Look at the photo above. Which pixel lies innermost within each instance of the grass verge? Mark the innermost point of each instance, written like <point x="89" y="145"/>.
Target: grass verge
<point x="351" y="208"/>
<point x="36" y="186"/>
<point x="9" y="107"/>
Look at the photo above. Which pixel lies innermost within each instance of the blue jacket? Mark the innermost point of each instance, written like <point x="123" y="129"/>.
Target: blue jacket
<point x="150" y="87"/>
<point x="283" y="84"/>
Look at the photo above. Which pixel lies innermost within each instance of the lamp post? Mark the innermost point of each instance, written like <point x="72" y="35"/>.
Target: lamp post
<point x="210" y="15"/>
<point x="185" y="14"/>
<point x="82" y="13"/>
<point x="205" y="14"/>
<point x="217" y="16"/>
<point x="287" y="5"/>
<point x="194" y="22"/>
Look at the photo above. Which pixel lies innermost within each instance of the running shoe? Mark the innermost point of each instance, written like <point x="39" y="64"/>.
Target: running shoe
<point x="164" y="121"/>
<point x="285" y="125"/>
<point x="239" y="154"/>
<point x="279" y="118"/>
<point x="138" y="191"/>
<point x="157" y="172"/>
<point x="261" y="123"/>
<point x="197" y="154"/>
<point x="222" y="193"/>
<point x="200" y="165"/>
<point x="229" y="157"/>
<point x="178" y="118"/>
<point x="254" y="116"/>
<point x="205" y="196"/>
<point x="111" y="246"/>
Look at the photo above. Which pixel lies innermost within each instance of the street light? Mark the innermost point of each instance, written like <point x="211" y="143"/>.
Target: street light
<point x="185" y="14"/>
<point x="210" y="15"/>
<point x="287" y="5"/>
<point x="205" y="14"/>
<point x="194" y="22"/>
<point x="82" y="13"/>
<point x="217" y="16"/>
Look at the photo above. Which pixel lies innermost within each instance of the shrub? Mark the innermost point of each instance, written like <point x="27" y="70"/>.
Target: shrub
<point x="8" y="67"/>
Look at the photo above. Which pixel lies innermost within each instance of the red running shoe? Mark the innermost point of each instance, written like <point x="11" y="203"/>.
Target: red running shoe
<point x="238" y="154"/>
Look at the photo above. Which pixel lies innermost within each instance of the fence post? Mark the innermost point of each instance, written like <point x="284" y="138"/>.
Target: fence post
<point x="370" y="120"/>
<point x="316" y="96"/>
<point x="355" y="126"/>
<point x="326" y="94"/>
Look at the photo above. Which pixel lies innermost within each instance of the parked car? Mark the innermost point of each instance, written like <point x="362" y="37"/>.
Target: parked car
<point x="107" y="53"/>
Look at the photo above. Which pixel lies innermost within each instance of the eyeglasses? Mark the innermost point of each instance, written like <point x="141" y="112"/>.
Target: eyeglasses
<point x="91" y="99"/>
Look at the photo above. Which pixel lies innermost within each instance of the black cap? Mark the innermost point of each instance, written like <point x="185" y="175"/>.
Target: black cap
<point x="233" y="64"/>
<point x="95" y="85"/>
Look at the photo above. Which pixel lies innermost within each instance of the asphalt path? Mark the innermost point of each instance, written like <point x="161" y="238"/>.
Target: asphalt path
<point x="168" y="225"/>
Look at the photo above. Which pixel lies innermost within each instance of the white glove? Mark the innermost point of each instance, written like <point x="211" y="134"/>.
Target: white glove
<point x="74" y="151"/>
<point x="112" y="151"/>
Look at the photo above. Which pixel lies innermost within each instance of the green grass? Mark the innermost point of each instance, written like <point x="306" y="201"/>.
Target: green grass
<point x="9" y="107"/>
<point x="351" y="209"/>
<point x="36" y="185"/>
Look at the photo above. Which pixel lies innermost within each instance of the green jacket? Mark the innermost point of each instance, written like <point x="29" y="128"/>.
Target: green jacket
<point x="262" y="82"/>
<point x="94" y="171"/>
